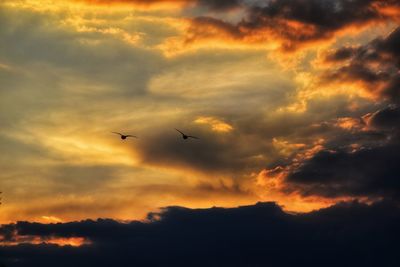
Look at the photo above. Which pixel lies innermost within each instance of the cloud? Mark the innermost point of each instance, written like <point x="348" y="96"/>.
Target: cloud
<point x="256" y="235"/>
<point x="73" y="56"/>
<point x="215" y="124"/>
<point x="70" y="75"/>
<point x="214" y="154"/>
<point x="291" y="24"/>
<point x="216" y="5"/>
<point x="376" y="66"/>
<point x="386" y="119"/>
<point x="361" y="163"/>
<point x="367" y="172"/>
<point x="68" y="82"/>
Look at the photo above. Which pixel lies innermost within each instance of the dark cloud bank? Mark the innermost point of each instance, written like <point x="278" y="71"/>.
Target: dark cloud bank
<point x="372" y="170"/>
<point x="347" y="234"/>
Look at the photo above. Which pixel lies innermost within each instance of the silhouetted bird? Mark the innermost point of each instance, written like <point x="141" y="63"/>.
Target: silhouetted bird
<point x="184" y="136"/>
<point x="124" y="136"/>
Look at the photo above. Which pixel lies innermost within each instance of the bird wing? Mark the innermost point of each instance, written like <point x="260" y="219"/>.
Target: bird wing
<point x="118" y="133"/>
<point x="129" y="135"/>
<point x="191" y="136"/>
<point x="179" y="131"/>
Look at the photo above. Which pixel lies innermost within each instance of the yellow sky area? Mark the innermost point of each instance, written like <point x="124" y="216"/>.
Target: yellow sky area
<point x="125" y="204"/>
<point x="119" y="21"/>
<point x="134" y="204"/>
<point x="127" y="26"/>
<point x="107" y="19"/>
<point x="285" y="147"/>
<point x="204" y="80"/>
<point x="80" y="148"/>
<point x="132" y="39"/>
<point x="6" y="67"/>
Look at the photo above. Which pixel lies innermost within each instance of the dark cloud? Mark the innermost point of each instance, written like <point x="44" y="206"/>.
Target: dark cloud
<point x="295" y="23"/>
<point x="217" y="5"/>
<point x="220" y="4"/>
<point x="370" y="170"/>
<point x="358" y="72"/>
<point x="341" y="54"/>
<point x="388" y="118"/>
<point x="261" y="235"/>
<point x="201" y="28"/>
<point x="318" y="19"/>
<point x="376" y="64"/>
<point x="214" y="154"/>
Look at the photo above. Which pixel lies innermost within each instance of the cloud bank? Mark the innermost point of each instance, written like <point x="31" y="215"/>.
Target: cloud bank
<point x="259" y="235"/>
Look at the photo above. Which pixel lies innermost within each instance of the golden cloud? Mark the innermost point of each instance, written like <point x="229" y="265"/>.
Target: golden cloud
<point x="215" y="124"/>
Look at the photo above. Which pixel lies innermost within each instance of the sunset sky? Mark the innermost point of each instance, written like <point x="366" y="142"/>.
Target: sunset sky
<point x="295" y="103"/>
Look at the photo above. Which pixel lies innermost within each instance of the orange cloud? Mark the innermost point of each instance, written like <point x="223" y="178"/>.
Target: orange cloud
<point x="349" y="123"/>
<point x="36" y="240"/>
<point x="372" y="68"/>
<point x="282" y="23"/>
<point x="271" y="185"/>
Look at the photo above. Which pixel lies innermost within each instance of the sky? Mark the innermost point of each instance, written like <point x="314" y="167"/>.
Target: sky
<point x="295" y="102"/>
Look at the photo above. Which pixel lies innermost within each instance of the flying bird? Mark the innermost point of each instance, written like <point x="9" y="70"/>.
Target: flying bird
<point x="124" y="136"/>
<point x="184" y="136"/>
